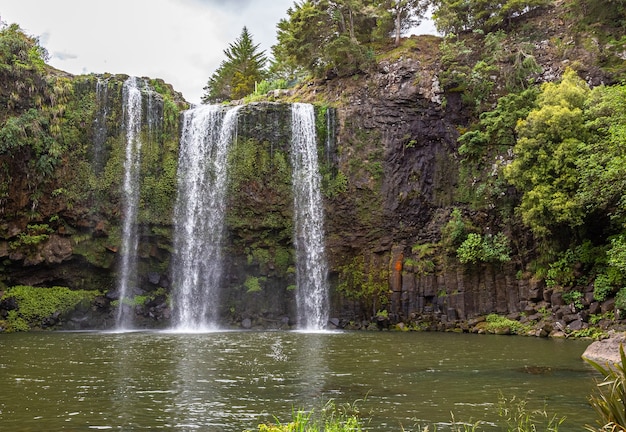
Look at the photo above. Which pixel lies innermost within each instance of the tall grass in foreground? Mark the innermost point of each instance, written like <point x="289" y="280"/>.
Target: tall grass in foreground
<point x="514" y="413"/>
<point x="610" y="401"/>
<point x="332" y="418"/>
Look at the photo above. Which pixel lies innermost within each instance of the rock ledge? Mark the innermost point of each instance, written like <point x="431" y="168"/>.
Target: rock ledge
<point x="606" y="350"/>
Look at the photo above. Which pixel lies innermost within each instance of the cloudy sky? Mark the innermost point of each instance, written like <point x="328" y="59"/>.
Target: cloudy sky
<point x="180" y="41"/>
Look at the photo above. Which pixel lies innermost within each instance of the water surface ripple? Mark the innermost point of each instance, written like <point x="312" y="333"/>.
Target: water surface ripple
<point x="232" y="381"/>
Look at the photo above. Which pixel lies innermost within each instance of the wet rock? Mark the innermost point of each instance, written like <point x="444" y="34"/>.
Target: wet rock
<point x="112" y="295"/>
<point x="607" y="350"/>
<point x="557" y="299"/>
<point x="8" y="304"/>
<point x="100" y="230"/>
<point x="246" y="323"/>
<point x="608" y="305"/>
<point x="594" y="308"/>
<point x="154" y="278"/>
<point x="576" y="325"/>
<point x="334" y="322"/>
<point x="57" y="249"/>
<point x="102" y="302"/>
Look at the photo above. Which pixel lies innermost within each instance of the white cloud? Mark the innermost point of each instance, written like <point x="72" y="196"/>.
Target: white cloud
<point x="181" y="42"/>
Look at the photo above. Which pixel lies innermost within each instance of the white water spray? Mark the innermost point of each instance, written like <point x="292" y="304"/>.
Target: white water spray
<point x="311" y="270"/>
<point x="130" y="199"/>
<point x="207" y="133"/>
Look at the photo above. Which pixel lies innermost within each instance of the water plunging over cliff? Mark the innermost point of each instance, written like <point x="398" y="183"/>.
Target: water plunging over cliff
<point x="100" y="125"/>
<point x="130" y="199"/>
<point x="199" y="215"/>
<point x="311" y="268"/>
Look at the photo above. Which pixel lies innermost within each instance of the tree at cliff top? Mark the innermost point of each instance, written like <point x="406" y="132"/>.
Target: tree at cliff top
<point x="334" y="37"/>
<point x="406" y="14"/>
<point x="238" y="74"/>
<point x="455" y="16"/>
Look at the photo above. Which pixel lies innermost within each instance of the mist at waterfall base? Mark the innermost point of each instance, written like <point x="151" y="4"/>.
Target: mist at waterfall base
<point x="234" y="381"/>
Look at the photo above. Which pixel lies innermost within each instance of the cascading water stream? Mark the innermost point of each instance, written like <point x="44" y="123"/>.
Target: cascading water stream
<point x="130" y="199"/>
<point x="100" y="125"/>
<point x="311" y="269"/>
<point x="207" y="133"/>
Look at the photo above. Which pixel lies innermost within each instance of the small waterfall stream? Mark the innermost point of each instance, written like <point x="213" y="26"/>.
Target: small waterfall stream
<point x="311" y="268"/>
<point x="199" y="215"/>
<point x="100" y="124"/>
<point x="130" y="199"/>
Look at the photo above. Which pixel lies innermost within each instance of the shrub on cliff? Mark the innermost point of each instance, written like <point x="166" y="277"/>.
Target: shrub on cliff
<point x="30" y="306"/>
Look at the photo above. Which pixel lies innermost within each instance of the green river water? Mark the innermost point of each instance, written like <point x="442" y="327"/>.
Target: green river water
<point x="232" y="381"/>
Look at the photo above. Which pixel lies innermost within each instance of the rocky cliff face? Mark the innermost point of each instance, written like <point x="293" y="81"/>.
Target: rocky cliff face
<point x="397" y="145"/>
<point x="387" y="142"/>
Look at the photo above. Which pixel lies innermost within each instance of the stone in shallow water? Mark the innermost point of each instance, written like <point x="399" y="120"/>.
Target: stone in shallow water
<point x="606" y="350"/>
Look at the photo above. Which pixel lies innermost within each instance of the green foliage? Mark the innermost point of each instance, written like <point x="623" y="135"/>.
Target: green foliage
<point x="253" y="284"/>
<point x="334" y="185"/>
<point x="34" y="235"/>
<point x="602" y="287"/>
<point x="332" y="418"/>
<point x="365" y="281"/>
<point x="470" y="251"/>
<point x="545" y="166"/>
<point x="500" y="324"/>
<point x="620" y="299"/>
<point x="496" y="128"/>
<point x="454" y="16"/>
<point x="602" y="162"/>
<point x="575" y="298"/>
<point x="455" y="60"/>
<point x="610" y="400"/>
<point x="596" y="318"/>
<point x="518" y="417"/>
<point x="421" y="260"/>
<point x="15" y="323"/>
<point x="612" y="12"/>
<point x="563" y="272"/>
<point x="454" y="233"/>
<point x="592" y="332"/>
<point x="238" y="75"/>
<point x="35" y="304"/>
<point x="489" y="248"/>
<point x="263" y="89"/>
<point x="326" y="38"/>
<point x="617" y="253"/>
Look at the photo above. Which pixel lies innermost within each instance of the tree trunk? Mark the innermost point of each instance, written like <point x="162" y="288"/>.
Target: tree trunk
<point x="398" y="26"/>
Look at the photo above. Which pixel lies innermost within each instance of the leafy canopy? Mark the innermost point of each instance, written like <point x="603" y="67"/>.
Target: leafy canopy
<point x="238" y="74"/>
<point x="546" y="153"/>
<point x="335" y="37"/>
<point x="455" y="16"/>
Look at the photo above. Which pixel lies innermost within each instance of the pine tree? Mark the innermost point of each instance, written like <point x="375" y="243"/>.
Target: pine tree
<point x="236" y="77"/>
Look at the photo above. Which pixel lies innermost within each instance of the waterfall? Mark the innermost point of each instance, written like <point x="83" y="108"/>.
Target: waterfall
<point x="100" y="125"/>
<point x="199" y="215"/>
<point x="130" y="199"/>
<point x="311" y="269"/>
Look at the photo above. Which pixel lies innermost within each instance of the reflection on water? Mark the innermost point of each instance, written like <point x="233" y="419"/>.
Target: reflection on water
<point x="231" y="381"/>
